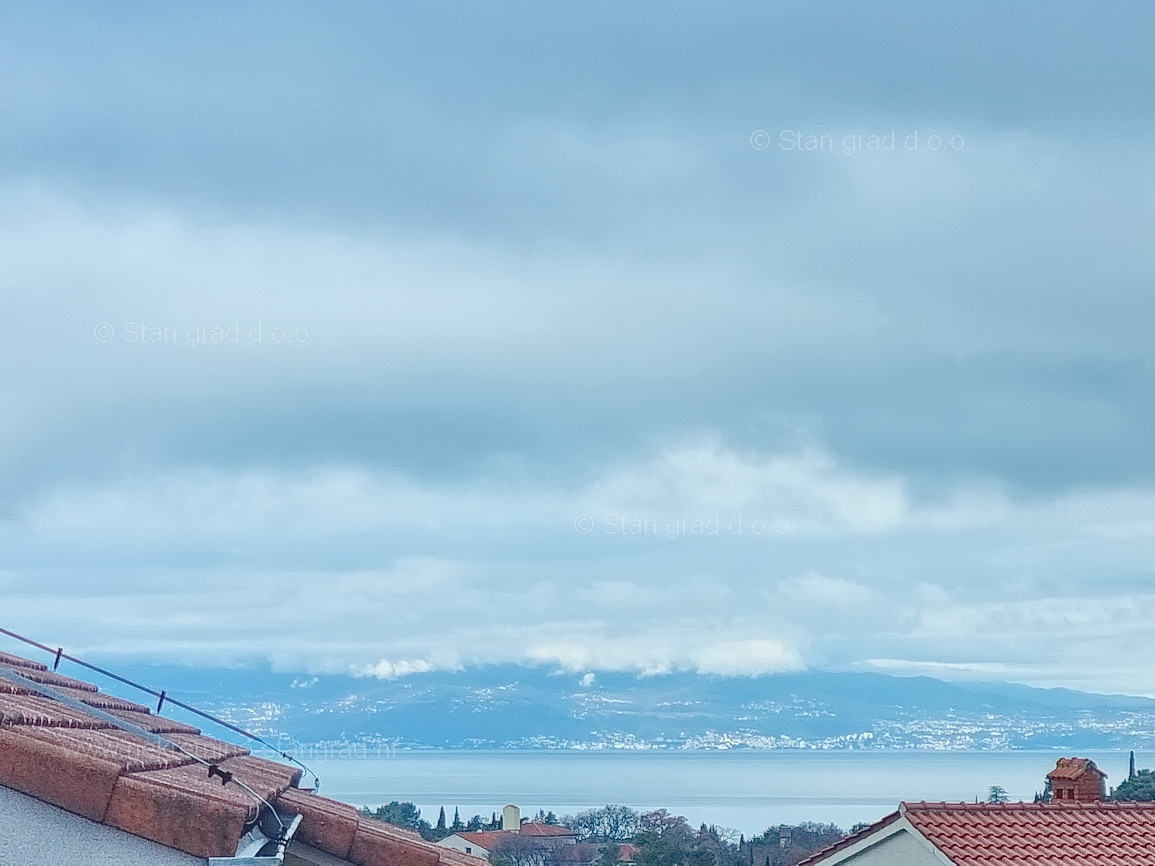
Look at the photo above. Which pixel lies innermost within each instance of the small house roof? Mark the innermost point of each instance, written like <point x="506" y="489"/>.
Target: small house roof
<point x="1024" y="834"/>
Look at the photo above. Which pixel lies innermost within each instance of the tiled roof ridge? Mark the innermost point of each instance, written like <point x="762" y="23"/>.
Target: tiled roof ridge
<point x="539" y="828"/>
<point x="1071" y="769"/>
<point x="1024" y="834"/>
<point x="21" y="662"/>
<point x="481" y="838"/>
<point x="84" y="764"/>
<point x="1023" y="805"/>
<point x="530" y="829"/>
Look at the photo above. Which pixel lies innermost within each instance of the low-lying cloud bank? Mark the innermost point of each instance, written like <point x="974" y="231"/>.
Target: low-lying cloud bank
<point x="701" y="558"/>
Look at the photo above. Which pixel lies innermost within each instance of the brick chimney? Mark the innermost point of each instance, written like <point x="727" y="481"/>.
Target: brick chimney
<point x="1077" y="780"/>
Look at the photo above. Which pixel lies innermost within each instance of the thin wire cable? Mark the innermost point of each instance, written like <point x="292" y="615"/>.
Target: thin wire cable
<point x="164" y="698"/>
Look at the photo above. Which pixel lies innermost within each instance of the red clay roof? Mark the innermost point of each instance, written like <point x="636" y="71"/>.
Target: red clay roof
<point x="1074" y="768"/>
<point x="1028" y="834"/>
<point x="532" y="828"/>
<point x="1090" y="834"/>
<point x="87" y="766"/>
<point x="485" y="839"/>
<point x="489" y="839"/>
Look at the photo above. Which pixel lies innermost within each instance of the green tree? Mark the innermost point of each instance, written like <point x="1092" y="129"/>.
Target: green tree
<point x="669" y="840"/>
<point x="457" y="825"/>
<point x="1139" y="788"/>
<point x="514" y="849"/>
<point x="1047" y="795"/>
<point x="605" y="824"/>
<point x="997" y="794"/>
<point x="786" y="845"/>
<point x="669" y="849"/>
<point x="400" y="815"/>
<point x="661" y="822"/>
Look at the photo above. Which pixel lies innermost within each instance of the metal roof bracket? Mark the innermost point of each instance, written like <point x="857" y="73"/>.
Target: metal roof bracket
<point x="256" y="840"/>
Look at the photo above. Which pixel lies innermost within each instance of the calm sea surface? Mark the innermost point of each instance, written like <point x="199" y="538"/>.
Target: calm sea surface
<point x="747" y="791"/>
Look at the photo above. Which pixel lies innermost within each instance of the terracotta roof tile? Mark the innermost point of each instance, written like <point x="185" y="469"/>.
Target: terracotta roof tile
<point x="486" y="839"/>
<point x="188" y="818"/>
<point x="377" y="844"/>
<point x="267" y="777"/>
<point x="56" y="774"/>
<point x="129" y="753"/>
<point x="49" y="678"/>
<point x="1074" y="768"/>
<point x="83" y="764"/>
<point x="33" y="710"/>
<point x="340" y="830"/>
<point x="206" y="748"/>
<point x="1028" y="834"/>
<point x="1018" y="834"/>
<point x="325" y="824"/>
<point x="183" y="808"/>
<point x="17" y="661"/>
<point x="102" y="701"/>
<point x="7" y="687"/>
<point x="194" y="780"/>
<point x="154" y="724"/>
<point x="267" y="782"/>
<point x="533" y="828"/>
<point x="403" y="834"/>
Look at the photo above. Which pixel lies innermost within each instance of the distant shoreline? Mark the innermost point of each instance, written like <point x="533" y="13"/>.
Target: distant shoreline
<point x="746" y="790"/>
<point x="364" y="750"/>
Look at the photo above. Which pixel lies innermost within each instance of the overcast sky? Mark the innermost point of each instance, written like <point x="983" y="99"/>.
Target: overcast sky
<point x="734" y="338"/>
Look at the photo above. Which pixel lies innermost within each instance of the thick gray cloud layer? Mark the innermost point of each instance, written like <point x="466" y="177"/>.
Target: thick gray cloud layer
<point x="497" y="333"/>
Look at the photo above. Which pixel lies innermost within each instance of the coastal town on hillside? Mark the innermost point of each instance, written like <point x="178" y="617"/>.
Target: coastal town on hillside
<point x="358" y="723"/>
<point x="111" y="778"/>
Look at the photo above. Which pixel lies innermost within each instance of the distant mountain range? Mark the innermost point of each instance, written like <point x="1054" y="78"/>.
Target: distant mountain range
<point x="510" y="707"/>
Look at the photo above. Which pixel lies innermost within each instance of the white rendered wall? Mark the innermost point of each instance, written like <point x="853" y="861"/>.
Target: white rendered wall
<point x="458" y="844"/>
<point x="34" y="833"/>
<point x="901" y="849"/>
